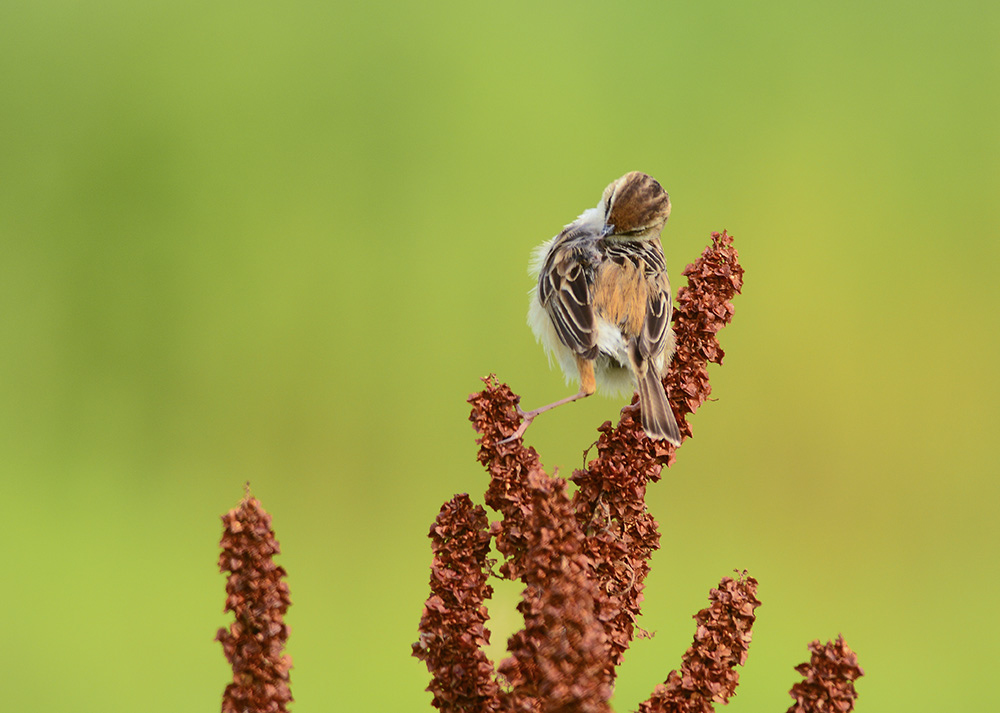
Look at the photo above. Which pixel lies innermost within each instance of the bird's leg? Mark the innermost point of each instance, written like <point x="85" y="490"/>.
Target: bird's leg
<point x="529" y="416"/>
<point x="588" y="385"/>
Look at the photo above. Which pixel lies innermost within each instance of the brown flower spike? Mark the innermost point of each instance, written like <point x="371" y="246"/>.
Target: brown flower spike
<point x="610" y="503"/>
<point x="453" y="626"/>
<point x="258" y="596"/>
<point x="828" y="679"/>
<point x="721" y="641"/>
<point x="583" y="559"/>
<point x="557" y="661"/>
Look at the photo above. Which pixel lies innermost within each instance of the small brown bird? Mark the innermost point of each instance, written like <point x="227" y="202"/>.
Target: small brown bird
<point x="602" y="305"/>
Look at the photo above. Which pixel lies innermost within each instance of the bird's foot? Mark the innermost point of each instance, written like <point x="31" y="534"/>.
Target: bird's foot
<point x="528" y="417"/>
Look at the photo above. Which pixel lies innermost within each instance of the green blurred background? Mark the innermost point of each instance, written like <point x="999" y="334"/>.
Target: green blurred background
<point x="280" y="242"/>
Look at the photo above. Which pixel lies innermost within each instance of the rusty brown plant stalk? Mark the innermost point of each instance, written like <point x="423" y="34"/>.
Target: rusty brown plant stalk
<point x="827" y="684"/>
<point x="583" y="559"/>
<point x="258" y="596"/>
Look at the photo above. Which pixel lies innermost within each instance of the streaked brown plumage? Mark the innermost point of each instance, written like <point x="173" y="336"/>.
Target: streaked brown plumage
<point x="602" y="306"/>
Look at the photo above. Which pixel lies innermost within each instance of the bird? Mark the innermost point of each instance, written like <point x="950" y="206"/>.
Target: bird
<point x="602" y="303"/>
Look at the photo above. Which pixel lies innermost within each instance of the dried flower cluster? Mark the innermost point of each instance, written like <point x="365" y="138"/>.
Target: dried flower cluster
<point x="258" y="597"/>
<point x="610" y="503"/>
<point x="721" y="641"/>
<point x="703" y="308"/>
<point x="583" y="559"/>
<point x="557" y="661"/>
<point x="828" y="679"/>
<point x="453" y="626"/>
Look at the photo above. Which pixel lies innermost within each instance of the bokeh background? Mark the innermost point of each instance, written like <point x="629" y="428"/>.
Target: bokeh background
<point x="281" y="241"/>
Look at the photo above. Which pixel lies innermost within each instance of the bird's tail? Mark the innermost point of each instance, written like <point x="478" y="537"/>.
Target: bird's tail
<point x="657" y="417"/>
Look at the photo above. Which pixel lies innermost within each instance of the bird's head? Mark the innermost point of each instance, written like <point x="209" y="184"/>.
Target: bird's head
<point x="635" y="207"/>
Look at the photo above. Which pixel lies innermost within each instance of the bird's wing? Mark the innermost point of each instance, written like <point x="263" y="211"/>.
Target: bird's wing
<point x="564" y="289"/>
<point x="659" y="306"/>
